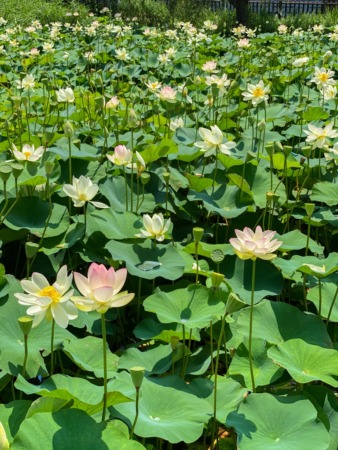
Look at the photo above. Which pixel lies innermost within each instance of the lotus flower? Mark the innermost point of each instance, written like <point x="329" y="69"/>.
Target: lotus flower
<point x="50" y="301"/>
<point x="81" y="191"/>
<point x="155" y="227"/>
<point x="101" y="289"/>
<point x="213" y="141"/>
<point x="253" y="245"/>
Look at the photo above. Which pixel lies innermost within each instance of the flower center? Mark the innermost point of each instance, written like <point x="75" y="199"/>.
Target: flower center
<point x="27" y="154"/>
<point x="258" y="92"/>
<point x="323" y="77"/>
<point x="50" y="292"/>
<point x="83" y="197"/>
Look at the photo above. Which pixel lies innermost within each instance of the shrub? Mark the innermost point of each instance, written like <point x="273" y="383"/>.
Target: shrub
<point x="148" y="12"/>
<point x="45" y="11"/>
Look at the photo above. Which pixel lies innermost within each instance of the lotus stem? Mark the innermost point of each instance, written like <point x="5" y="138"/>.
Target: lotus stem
<point x="52" y="348"/>
<point x="331" y="307"/>
<point x="104" y="350"/>
<point x="137" y="400"/>
<point x="253" y="281"/>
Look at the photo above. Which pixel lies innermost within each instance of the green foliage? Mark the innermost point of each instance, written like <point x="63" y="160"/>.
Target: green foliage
<point x="44" y="11"/>
<point x="148" y="12"/>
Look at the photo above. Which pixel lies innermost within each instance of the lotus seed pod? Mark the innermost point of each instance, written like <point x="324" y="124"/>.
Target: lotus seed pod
<point x="137" y="375"/>
<point x="309" y="208"/>
<point x="25" y="323"/>
<point x="31" y="249"/>
<point x="5" y="172"/>
<point x="216" y="279"/>
<point x="198" y="234"/>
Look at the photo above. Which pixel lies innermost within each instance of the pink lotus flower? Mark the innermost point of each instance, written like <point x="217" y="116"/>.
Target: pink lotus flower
<point x="253" y="245"/>
<point x="167" y="93"/>
<point x="101" y="290"/>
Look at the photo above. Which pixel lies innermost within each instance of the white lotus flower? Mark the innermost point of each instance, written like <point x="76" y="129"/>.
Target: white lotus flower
<point x="255" y="244"/>
<point x="213" y="141"/>
<point x="318" y="137"/>
<point x="50" y="301"/>
<point x="155" y="227"/>
<point x="323" y="77"/>
<point x="257" y="93"/>
<point x="83" y="190"/>
<point x="27" y="83"/>
<point x="28" y="153"/>
<point x="122" y="156"/>
<point x="65" y="95"/>
<point x="300" y="62"/>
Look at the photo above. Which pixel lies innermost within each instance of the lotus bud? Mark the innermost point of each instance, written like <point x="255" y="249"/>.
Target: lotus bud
<point x="5" y="172"/>
<point x="31" y="249"/>
<point x="261" y="125"/>
<point x="198" y="234"/>
<point x="216" y="279"/>
<point x="252" y="120"/>
<point x="25" y="323"/>
<point x="197" y="81"/>
<point x="132" y="119"/>
<point x="137" y="375"/>
<point x="309" y="208"/>
<point x="68" y="130"/>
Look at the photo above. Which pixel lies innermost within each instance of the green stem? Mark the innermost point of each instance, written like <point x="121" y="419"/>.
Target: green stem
<point x="215" y="383"/>
<point x="26" y="355"/>
<point x="331" y="307"/>
<point x="104" y="349"/>
<point x="253" y="281"/>
<point x="136" y="412"/>
<point x="52" y="348"/>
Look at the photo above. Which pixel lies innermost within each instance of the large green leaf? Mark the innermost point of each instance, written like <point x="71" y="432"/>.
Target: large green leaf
<point x="326" y="404"/>
<point x="194" y="307"/>
<point x="278" y="423"/>
<point x="155" y="360"/>
<point x="296" y="240"/>
<point x="31" y="213"/>
<point x="264" y="370"/>
<point x="238" y="274"/>
<point x="164" y="412"/>
<point x="87" y="354"/>
<point x="114" y="225"/>
<point x="325" y="191"/>
<point x="224" y="200"/>
<point x="11" y="416"/>
<point x="305" y="362"/>
<point x="277" y="322"/>
<point x="85" y="395"/>
<point x="114" y="190"/>
<point x="11" y="337"/>
<point x="171" y="264"/>
<point x="329" y="300"/>
<point x="70" y="429"/>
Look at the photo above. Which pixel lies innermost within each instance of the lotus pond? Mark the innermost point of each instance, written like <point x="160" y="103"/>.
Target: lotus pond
<point x="168" y="234"/>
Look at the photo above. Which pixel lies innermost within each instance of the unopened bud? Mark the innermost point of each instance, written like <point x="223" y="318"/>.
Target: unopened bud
<point x="68" y="130"/>
<point x="261" y="125"/>
<point x="132" y="118"/>
<point x="166" y="176"/>
<point x="174" y="341"/>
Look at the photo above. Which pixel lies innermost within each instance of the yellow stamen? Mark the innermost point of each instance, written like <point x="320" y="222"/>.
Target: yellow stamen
<point x="27" y="154"/>
<point x="258" y="92"/>
<point x="50" y="292"/>
<point x="323" y="77"/>
<point x="83" y="197"/>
